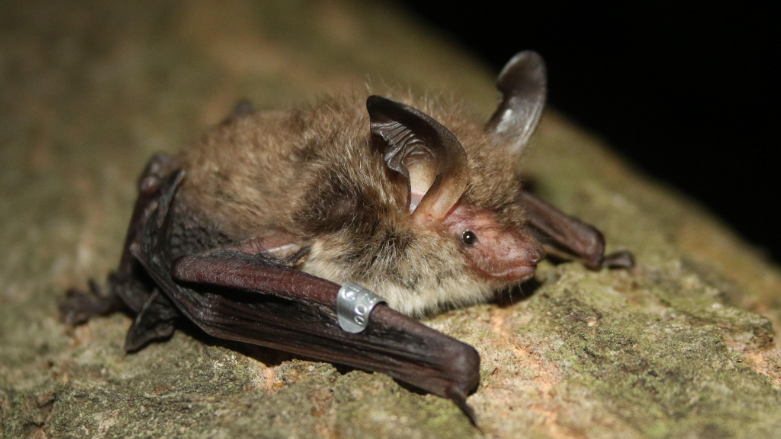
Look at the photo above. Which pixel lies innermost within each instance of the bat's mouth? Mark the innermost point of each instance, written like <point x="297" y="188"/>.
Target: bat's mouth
<point x="517" y="269"/>
<point x="518" y="273"/>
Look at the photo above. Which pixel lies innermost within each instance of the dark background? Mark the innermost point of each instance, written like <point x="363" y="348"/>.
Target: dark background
<point x="686" y="90"/>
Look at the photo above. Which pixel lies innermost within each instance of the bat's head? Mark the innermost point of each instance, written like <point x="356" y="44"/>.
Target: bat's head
<point x="443" y="184"/>
<point x="492" y="249"/>
<point x="441" y="195"/>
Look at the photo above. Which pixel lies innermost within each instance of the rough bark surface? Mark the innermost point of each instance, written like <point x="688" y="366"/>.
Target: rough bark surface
<point x="681" y="346"/>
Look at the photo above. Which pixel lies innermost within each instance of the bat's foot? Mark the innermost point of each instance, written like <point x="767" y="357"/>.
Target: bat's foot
<point x="78" y="306"/>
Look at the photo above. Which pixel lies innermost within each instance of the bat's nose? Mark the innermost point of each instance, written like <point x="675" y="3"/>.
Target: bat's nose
<point x="534" y="256"/>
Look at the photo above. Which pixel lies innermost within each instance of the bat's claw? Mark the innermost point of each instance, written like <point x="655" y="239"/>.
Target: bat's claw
<point x="468" y="411"/>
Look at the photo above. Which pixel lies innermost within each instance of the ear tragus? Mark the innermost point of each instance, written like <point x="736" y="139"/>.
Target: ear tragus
<point x="523" y="83"/>
<point x="426" y="153"/>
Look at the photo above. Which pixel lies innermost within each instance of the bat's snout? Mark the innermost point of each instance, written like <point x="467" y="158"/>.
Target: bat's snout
<point x="492" y="249"/>
<point x="520" y="265"/>
<point x="507" y="256"/>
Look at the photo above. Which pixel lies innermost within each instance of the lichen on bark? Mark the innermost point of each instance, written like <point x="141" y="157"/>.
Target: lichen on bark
<point x="681" y="346"/>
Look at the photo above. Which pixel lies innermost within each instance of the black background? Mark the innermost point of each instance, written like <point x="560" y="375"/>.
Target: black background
<point x="686" y="90"/>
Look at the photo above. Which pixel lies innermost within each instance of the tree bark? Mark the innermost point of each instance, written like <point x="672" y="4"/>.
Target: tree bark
<point x="681" y="346"/>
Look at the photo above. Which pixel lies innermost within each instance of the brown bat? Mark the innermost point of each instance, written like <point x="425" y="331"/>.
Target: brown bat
<point x="251" y="231"/>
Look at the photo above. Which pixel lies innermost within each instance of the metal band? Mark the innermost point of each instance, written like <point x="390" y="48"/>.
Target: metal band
<point x="354" y="303"/>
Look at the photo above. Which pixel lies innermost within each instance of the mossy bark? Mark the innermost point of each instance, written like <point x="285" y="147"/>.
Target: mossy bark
<point x="681" y="346"/>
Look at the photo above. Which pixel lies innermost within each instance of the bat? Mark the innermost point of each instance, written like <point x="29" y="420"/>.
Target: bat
<point x="324" y="231"/>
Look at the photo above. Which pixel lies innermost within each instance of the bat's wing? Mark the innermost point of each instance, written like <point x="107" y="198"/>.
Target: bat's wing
<point x="130" y="287"/>
<point x="564" y="235"/>
<point x="250" y="298"/>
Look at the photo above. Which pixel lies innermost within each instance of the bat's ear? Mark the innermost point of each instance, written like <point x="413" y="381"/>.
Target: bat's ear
<point x="423" y="151"/>
<point x="242" y="108"/>
<point x="523" y="83"/>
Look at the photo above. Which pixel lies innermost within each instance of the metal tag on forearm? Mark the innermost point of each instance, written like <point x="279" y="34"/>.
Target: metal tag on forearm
<point x="354" y="303"/>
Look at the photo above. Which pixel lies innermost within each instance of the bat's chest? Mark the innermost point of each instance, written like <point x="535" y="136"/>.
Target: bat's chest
<point x="412" y="283"/>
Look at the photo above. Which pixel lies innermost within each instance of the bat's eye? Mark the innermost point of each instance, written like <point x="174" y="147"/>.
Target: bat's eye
<point x="469" y="237"/>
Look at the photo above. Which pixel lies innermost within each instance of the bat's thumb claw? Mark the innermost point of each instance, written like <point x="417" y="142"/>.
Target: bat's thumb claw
<point x="468" y="411"/>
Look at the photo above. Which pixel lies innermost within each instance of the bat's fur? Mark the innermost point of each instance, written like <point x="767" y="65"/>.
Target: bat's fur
<point x="310" y="175"/>
<point x="350" y="189"/>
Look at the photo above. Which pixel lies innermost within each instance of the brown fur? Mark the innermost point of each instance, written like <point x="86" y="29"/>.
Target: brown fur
<point x="311" y="173"/>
